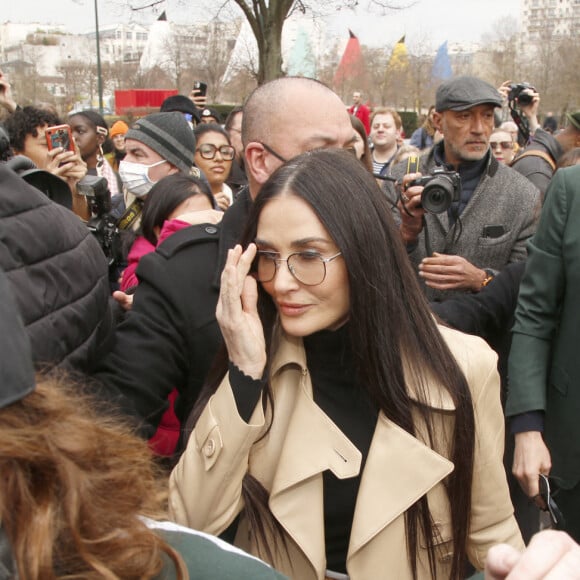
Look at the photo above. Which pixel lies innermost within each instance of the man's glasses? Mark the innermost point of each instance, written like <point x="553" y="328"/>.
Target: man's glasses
<point x="208" y="151"/>
<point x="546" y="502"/>
<point x="502" y="144"/>
<point x="273" y="152"/>
<point x="309" y="268"/>
<point x="277" y="155"/>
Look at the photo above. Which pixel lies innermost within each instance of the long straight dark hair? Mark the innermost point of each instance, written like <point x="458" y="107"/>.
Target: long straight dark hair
<point x="389" y="322"/>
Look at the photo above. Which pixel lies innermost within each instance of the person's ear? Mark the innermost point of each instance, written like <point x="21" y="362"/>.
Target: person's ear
<point x="259" y="163"/>
<point x="438" y="121"/>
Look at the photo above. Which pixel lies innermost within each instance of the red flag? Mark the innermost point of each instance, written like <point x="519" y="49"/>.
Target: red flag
<point x="351" y="66"/>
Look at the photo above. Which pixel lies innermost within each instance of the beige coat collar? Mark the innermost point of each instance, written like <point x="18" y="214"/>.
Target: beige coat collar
<point x="399" y="468"/>
<point x="290" y="351"/>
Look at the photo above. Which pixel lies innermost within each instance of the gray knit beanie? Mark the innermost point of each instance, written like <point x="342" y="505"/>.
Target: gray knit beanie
<point x="169" y="135"/>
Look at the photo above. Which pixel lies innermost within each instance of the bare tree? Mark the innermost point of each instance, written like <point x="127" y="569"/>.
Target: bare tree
<point x="215" y="56"/>
<point x="500" y="46"/>
<point x="119" y="75"/>
<point x="266" y="20"/>
<point x="76" y="80"/>
<point x="568" y="76"/>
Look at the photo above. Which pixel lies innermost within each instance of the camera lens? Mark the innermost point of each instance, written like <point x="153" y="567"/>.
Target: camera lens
<point x="437" y="195"/>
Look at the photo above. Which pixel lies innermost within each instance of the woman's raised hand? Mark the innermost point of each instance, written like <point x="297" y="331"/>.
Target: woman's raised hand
<point x="237" y="313"/>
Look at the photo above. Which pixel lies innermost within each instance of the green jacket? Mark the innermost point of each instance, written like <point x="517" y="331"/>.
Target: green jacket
<point x="544" y="364"/>
<point x="208" y="557"/>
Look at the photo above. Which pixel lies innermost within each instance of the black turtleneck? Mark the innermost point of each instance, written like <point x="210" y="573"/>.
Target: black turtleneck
<point x="336" y="392"/>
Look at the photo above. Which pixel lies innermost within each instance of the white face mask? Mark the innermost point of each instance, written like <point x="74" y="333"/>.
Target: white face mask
<point x="135" y="177"/>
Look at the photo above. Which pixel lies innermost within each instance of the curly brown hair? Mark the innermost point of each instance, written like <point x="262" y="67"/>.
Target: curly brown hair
<point x="73" y="485"/>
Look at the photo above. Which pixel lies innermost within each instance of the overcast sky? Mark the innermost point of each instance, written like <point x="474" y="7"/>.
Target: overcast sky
<point x="427" y="22"/>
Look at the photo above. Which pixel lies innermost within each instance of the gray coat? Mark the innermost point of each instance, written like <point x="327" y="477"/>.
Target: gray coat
<point x="502" y="198"/>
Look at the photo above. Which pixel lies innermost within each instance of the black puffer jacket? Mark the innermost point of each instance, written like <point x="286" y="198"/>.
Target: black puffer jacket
<point x="58" y="274"/>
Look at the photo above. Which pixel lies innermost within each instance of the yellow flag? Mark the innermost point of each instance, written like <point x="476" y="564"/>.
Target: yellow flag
<point x="399" y="59"/>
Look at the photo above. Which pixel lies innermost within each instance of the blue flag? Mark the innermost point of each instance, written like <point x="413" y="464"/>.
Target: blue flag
<point x="442" y="65"/>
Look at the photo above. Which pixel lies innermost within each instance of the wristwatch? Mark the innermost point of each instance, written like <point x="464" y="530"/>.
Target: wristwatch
<point x="489" y="276"/>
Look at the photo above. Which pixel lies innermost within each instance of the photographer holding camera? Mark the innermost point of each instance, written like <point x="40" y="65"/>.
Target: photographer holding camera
<point x="539" y="158"/>
<point x="479" y="213"/>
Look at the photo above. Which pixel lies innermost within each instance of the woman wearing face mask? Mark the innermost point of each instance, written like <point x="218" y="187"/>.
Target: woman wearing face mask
<point x="90" y="132"/>
<point x="214" y="155"/>
<point x="352" y="434"/>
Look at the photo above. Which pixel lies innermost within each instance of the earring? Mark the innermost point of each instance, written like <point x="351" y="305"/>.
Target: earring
<point x="100" y="157"/>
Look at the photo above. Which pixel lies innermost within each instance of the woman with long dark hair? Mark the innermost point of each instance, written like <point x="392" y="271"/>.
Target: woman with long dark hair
<point x="167" y="209"/>
<point x="173" y="204"/>
<point x="354" y="436"/>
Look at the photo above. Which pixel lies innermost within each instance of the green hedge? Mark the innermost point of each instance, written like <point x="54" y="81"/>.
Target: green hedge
<point x="409" y="119"/>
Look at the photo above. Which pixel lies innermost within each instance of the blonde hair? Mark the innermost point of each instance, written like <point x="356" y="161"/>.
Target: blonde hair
<point x="73" y="484"/>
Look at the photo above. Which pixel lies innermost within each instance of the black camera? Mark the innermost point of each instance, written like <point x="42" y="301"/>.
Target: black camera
<point x="102" y="224"/>
<point x="520" y="93"/>
<point x="441" y="189"/>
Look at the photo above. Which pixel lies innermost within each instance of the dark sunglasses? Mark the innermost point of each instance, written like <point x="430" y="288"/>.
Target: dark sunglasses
<point x="546" y="498"/>
<point x="502" y="144"/>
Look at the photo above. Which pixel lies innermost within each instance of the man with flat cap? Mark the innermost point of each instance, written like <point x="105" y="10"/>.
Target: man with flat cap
<point x="492" y="214"/>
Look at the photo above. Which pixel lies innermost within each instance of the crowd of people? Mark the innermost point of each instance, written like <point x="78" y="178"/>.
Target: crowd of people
<point x="293" y="345"/>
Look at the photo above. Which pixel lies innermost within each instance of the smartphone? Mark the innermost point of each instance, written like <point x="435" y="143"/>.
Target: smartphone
<point x="493" y="231"/>
<point x="201" y="87"/>
<point x="59" y="136"/>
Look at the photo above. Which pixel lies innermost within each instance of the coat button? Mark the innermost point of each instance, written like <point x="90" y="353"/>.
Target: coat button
<point x="211" y="229"/>
<point x="209" y="448"/>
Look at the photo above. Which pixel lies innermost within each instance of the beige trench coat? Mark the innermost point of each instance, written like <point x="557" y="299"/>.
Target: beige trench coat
<point x="205" y="487"/>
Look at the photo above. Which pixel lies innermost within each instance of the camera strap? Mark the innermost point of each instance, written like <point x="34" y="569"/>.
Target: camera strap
<point x="131" y="215"/>
<point x="536" y="153"/>
<point x="522" y="123"/>
<point x="413" y="167"/>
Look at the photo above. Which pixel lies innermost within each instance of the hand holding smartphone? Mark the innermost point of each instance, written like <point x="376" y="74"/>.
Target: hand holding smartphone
<point x="199" y="94"/>
<point x="200" y="87"/>
<point x="59" y="136"/>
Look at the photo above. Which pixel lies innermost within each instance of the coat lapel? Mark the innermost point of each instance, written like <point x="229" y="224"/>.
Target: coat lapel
<point x="399" y="470"/>
<point x="313" y="443"/>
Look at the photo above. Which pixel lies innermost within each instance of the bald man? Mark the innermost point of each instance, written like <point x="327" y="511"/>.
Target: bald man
<point x="170" y="336"/>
